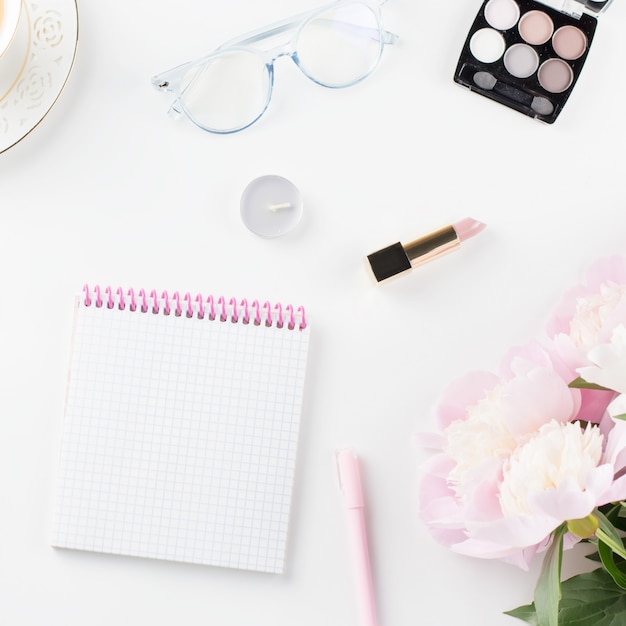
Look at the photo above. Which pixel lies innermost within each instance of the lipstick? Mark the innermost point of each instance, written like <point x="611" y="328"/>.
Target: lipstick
<point x="398" y="257"/>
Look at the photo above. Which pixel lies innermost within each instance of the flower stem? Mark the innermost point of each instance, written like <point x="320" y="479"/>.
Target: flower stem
<point x="617" y="547"/>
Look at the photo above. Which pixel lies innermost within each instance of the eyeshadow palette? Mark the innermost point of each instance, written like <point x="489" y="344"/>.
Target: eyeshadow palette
<point x="528" y="55"/>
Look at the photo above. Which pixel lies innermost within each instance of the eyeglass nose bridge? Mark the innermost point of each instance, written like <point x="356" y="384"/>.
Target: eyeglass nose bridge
<point x="273" y="54"/>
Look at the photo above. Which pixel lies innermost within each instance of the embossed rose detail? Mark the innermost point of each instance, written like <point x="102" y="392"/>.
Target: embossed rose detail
<point x="48" y="30"/>
<point x="31" y="89"/>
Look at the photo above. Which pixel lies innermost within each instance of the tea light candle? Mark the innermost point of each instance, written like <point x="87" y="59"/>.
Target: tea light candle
<point x="271" y="206"/>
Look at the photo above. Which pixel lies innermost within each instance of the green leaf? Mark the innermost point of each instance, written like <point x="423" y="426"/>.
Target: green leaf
<point x="621" y="416"/>
<point x="607" y="556"/>
<point x="609" y="544"/>
<point x="581" y="383"/>
<point x="525" y="613"/>
<point x="548" y="588"/>
<point x="616" y="514"/>
<point x="590" y="599"/>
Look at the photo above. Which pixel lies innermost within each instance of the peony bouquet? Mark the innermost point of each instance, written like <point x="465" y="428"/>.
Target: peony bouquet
<point x="532" y="460"/>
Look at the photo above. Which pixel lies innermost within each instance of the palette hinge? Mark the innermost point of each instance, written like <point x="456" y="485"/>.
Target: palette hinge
<point x="573" y="8"/>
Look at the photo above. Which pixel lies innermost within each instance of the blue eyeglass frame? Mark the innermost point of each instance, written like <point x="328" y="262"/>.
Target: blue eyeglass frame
<point x="172" y="80"/>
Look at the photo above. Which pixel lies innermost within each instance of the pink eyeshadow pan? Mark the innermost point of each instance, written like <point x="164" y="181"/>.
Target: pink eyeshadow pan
<point x="536" y="27"/>
<point x="569" y="42"/>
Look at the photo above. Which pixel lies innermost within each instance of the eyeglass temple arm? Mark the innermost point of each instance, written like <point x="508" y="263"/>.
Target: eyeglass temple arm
<point x="164" y="80"/>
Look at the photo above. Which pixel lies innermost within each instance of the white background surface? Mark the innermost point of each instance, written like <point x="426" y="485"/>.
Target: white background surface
<point x="110" y="190"/>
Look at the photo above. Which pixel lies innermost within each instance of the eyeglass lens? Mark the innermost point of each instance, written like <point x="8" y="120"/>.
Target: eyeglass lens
<point x="335" y="48"/>
<point x="341" y="46"/>
<point x="228" y="92"/>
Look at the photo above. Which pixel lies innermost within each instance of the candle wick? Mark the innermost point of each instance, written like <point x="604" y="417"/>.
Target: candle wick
<point x="278" y="206"/>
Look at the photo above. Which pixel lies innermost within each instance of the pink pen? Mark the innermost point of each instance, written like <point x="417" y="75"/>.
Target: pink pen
<point x="350" y="484"/>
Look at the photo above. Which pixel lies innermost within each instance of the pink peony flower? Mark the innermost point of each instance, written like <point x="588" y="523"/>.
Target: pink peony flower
<point x="561" y="472"/>
<point x="522" y="452"/>
<point x="485" y="419"/>
<point x="586" y="317"/>
<point x="589" y="312"/>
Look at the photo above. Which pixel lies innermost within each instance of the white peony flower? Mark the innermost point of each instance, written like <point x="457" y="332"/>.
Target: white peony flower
<point x="483" y="436"/>
<point x="505" y="418"/>
<point x="592" y="312"/>
<point x="609" y="362"/>
<point x="559" y="453"/>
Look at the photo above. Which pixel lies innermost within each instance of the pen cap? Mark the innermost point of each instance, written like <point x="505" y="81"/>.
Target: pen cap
<point x="350" y="478"/>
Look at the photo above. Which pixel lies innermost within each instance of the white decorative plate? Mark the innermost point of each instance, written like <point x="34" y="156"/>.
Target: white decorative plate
<point x="35" y="68"/>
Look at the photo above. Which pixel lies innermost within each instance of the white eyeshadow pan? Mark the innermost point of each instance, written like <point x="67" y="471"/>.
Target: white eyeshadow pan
<point x="487" y="45"/>
<point x="502" y="14"/>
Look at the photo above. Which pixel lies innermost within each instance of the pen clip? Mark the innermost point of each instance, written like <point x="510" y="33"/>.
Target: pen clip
<point x="349" y="478"/>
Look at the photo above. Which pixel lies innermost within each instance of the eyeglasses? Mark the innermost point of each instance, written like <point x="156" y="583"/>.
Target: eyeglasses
<point x="337" y="45"/>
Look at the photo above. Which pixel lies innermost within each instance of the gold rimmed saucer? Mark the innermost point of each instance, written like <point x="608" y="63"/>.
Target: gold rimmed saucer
<point x="35" y="68"/>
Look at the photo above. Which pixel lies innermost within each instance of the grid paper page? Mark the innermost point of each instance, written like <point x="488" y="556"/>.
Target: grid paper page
<point x="180" y="438"/>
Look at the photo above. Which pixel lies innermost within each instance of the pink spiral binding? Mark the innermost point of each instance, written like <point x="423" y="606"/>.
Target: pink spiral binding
<point x="303" y="323"/>
<point x="187" y="299"/>
<point x="165" y="296"/>
<point x="235" y="315"/>
<point x="279" y="308"/>
<point x="176" y="298"/>
<point x="211" y="302"/>
<point x="144" y="302"/>
<point x="200" y="303"/>
<point x="291" y="324"/>
<point x="257" y="316"/>
<point x="267" y="307"/>
<point x="109" y="294"/>
<point x="133" y="303"/>
<point x="246" y="312"/>
<point x="220" y="309"/>
<point x="155" y="301"/>
<point x="221" y="301"/>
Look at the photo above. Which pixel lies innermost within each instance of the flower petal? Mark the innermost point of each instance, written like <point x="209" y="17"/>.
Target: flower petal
<point x="568" y="501"/>
<point x="514" y="533"/>
<point x="462" y="393"/>
<point x="536" y="399"/>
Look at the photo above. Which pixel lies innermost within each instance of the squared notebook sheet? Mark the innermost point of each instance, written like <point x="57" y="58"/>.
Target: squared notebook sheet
<point x="181" y="431"/>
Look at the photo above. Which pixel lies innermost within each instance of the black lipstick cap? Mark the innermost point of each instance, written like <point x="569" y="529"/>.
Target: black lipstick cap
<point x="389" y="261"/>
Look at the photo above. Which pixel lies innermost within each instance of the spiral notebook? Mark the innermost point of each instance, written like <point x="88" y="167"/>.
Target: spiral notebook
<point x="181" y="428"/>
